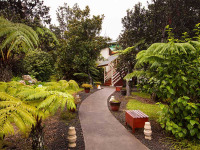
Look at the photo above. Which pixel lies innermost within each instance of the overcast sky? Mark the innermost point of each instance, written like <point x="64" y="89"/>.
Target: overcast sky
<point x="113" y="10"/>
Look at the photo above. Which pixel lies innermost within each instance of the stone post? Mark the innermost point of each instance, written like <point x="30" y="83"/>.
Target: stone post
<point x="72" y="137"/>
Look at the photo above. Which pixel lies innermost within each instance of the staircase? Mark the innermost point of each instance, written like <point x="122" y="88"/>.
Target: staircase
<point x="113" y="80"/>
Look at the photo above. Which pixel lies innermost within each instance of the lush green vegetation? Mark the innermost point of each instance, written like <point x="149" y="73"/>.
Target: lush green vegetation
<point x="151" y="110"/>
<point x="26" y="106"/>
<point x="141" y="94"/>
<point x="171" y="72"/>
<point x="168" y="71"/>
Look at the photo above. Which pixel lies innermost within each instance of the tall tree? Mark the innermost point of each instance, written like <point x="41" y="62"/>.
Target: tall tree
<point x="149" y="24"/>
<point x="25" y="11"/>
<point x="83" y="43"/>
<point x="135" y="26"/>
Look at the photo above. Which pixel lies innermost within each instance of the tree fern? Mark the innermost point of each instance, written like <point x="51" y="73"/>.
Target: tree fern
<point x="14" y="110"/>
<point x="42" y="31"/>
<point x="73" y="85"/>
<point x="15" y="34"/>
<point x="17" y="106"/>
<point x="160" y="51"/>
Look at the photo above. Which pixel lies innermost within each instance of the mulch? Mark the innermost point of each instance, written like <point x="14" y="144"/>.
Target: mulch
<point x="159" y="136"/>
<point x="55" y="132"/>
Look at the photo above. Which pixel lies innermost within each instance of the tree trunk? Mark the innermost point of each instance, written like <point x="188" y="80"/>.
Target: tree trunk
<point x="128" y="90"/>
<point x="37" y="135"/>
<point x="90" y="78"/>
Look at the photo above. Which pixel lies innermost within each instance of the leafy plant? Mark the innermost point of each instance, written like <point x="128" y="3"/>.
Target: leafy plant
<point x="26" y="107"/>
<point x="39" y="64"/>
<point x="97" y="83"/>
<point x="181" y="118"/>
<point x="86" y="85"/>
<point x="115" y="101"/>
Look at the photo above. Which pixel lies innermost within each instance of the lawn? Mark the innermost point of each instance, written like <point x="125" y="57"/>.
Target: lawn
<point x="149" y="109"/>
<point x="141" y="94"/>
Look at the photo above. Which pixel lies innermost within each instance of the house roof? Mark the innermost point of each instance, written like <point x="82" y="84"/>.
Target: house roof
<point x="110" y="59"/>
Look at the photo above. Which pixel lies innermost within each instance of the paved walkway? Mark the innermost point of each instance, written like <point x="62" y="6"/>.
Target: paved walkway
<point x="100" y="128"/>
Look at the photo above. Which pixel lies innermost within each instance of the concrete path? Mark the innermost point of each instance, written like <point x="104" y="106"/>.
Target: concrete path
<point x="101" y="130"/>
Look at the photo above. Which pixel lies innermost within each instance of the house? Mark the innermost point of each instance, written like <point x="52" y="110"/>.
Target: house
<point x="111" y="76"/>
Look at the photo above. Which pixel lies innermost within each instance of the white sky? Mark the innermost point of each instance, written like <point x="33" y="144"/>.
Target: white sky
<point x="113" y="10"/>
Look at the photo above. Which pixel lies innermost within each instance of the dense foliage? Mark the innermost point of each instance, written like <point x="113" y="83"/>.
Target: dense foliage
<point x="149" y="23"/>
<point x="30" y="12"/>
<point x="171" y="71"/>
<point x="39" y="64"/>
<point x="83" y="43"/>
<point x="26" y="106"/>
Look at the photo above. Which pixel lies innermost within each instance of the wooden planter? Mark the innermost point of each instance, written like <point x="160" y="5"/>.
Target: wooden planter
<point x="87" y="90"/>
<point x="114" y="106"/>
<point x="118" y="88"/>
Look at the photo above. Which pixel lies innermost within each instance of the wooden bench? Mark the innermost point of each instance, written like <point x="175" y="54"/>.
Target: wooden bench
<point x="136" y="119"/>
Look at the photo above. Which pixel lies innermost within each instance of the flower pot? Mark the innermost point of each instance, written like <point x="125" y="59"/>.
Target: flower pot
<point x="87" y="90"/>
<point x="114" y="105"/>
<point x="118" y="88"/>
<point x="123" y="92"/>
<point x="98" y="87"/>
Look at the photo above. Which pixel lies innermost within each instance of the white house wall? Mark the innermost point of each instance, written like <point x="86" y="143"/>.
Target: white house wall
<point x="105" y="53"/>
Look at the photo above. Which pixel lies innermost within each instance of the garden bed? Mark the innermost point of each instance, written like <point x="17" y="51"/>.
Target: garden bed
<point x="55" y="131"/>
<point x="159" y="136"/>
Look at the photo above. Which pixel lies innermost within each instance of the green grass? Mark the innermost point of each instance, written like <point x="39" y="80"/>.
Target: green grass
<point x="149" y="109"/>
<point x="141" y="94"/>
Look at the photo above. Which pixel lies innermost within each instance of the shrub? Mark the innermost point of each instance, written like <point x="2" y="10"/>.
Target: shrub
<point x="181" y="118"/>
<point x="39" y="64"/>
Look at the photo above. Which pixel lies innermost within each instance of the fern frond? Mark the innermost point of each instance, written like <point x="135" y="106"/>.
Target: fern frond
<point x="26" y="93"/>
<point x="47" y="102"/>
<point x="51" y="34"/>
<point x="6" y="97"/>
<point x="40" y="95"/>
<point x="135" y="73"/>
<point x="73" y="85"/>
<point x="3" y="86"/>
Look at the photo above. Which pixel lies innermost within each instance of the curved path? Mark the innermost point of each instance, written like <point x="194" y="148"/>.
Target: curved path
<point x="101" y="130"/>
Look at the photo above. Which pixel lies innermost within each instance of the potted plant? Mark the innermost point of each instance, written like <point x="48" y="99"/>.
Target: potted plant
<point x="118" y="88"/>
<point x="87" y="87"/>
<point x="98" y="85"/>
<point x="114" y="104"/>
